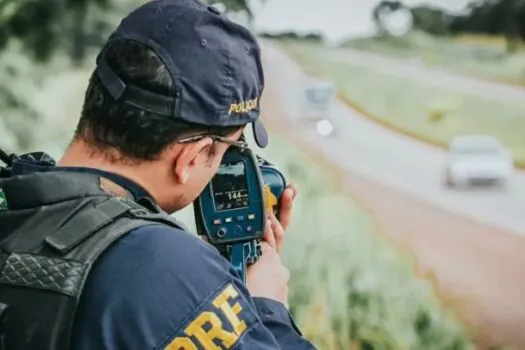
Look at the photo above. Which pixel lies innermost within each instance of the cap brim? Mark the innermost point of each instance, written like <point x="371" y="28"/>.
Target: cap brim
<point x="259" y="133"/>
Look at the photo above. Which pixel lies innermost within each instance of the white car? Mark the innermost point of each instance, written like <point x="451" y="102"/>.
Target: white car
<point x="317" y="100"/>
<point x="477" y="159"/>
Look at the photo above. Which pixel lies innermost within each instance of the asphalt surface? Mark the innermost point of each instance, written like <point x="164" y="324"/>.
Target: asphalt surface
<point x="371" y="150"/>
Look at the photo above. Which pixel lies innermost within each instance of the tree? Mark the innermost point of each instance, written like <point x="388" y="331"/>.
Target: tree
<point x="495" y="17"/>
<point x="32" y="32"/>
<point x="431" y="20"/>
<point x="45" y="26"/>
<point x="385" y="7"/>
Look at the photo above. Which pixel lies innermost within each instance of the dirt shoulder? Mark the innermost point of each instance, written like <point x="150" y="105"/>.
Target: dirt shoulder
<point x="477" y="270"/>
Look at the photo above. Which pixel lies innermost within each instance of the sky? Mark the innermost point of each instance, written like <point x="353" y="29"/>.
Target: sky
<point x="335" y="19"/>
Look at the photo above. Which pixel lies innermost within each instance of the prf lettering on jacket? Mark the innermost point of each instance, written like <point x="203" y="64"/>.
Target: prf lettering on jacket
<point x="207" y="328"/>
<point x="244" y="106"/>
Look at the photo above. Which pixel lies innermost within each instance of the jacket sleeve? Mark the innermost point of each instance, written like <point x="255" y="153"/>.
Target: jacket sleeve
<point x="273" y="322"/>
<point x="160" y="288"/>
<point x="278" y="321"/>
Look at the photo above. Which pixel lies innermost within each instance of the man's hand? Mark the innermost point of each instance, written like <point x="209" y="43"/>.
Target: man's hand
<point x="268" y="278"/>
<point x="286" y="204"/>
<point x="275" y="227"/>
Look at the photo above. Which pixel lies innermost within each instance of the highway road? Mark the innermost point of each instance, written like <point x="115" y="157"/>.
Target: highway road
<point x="369" y="149"/>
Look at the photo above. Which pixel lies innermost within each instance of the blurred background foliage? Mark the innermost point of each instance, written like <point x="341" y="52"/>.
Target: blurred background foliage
<point x="356" y="291"/>
<point x="39" y="39"/>
<point x="489" y="17"/>
<point x="72" y="26"/>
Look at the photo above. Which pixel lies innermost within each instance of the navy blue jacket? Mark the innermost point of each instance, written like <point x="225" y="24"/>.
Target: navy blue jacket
<point x="163" y="288"/>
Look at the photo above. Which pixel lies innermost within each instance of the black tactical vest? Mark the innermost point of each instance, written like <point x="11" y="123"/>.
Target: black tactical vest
<point x="53" y="227"/>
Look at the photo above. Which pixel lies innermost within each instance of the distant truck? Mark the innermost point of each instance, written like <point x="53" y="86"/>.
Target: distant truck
<point x="317" y="99"/>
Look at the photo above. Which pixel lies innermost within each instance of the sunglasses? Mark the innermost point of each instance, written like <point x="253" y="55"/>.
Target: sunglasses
<point x="239" y="143"/>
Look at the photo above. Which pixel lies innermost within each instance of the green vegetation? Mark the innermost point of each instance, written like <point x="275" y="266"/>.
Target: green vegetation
<point x="424" y="110"/>
<point x="39" y="39"/>
<point x="484" y="57"/>
<point x="503" y="18"/>
<point x="71" y="26"/>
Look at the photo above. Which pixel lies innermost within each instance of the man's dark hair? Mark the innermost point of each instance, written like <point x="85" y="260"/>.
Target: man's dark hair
<point x="137" y="135"/>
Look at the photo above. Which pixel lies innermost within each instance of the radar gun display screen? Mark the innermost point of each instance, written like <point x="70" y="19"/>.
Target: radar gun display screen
<point x="229" y="186"/>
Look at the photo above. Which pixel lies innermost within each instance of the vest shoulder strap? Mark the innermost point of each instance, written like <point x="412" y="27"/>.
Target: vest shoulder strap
<point x="84" y="224"/>
<point x="88" y="233"/>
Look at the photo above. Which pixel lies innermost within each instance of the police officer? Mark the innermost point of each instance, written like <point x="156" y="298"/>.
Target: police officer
<point x="173" y="89"/>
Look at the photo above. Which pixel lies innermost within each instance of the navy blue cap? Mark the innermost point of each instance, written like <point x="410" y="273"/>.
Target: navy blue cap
<point x="215" y="65"/>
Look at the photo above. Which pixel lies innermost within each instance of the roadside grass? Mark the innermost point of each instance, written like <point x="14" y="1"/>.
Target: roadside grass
<point x="476" y="55"/>
<point x="350" y="289"/>
<point x="425" y="111"/>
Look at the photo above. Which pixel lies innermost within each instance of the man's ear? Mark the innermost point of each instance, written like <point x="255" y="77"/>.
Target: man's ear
<point x="188" y="156"/>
